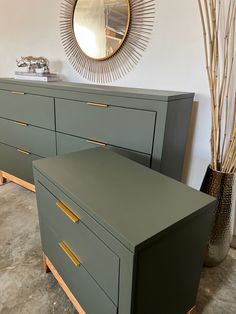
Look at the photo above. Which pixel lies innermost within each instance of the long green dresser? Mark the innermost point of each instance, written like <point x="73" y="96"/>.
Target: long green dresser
<point x="39" y="119"/>
<point x="123" y="238"/>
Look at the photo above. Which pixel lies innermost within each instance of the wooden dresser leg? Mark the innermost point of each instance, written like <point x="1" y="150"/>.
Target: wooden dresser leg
<point x="45" y="266"/>
<point x="192" y="311"/>
<point x="2" y="179"/>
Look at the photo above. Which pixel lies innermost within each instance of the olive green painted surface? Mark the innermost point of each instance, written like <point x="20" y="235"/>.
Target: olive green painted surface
<point x="168" y="272"/>
<point x="96" y="257"/>
<point x="16" y="163"/>
<point x="119" y="193"/>
<point x="168" y="142"/>
<point x="164" y="223"/>
<point x="99" y="89"/>
<point x="77" y="278"/>
<point x="68" y="144"/>
<point x="127" y="128"/>
<point x="175" y="138"/>
<point x="36" y="140"/>
<point x="32" y="109"/>
<point x="126" y="257"/>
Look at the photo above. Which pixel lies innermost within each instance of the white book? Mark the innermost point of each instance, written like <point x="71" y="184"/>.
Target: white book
<point x="36" y="74"/>
<point x="37" y="78"/>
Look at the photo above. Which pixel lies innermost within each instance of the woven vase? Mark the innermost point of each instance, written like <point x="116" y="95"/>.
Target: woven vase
<point x="222" y="186"/>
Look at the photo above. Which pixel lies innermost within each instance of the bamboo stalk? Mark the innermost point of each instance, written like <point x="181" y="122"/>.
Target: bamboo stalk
<point x="228" y="89"/>
<point x="216" y="23"/>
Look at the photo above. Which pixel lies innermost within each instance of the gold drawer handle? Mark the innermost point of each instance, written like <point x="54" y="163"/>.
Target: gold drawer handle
<point x="96" y="143"/>
<point x="69" y="253"/>
<point x="20" y="123"/>
<point x="67" y="211"/>
<point x="97" y="105"/>
<point x="23" y="151"/>
<point x="18" y="93"/>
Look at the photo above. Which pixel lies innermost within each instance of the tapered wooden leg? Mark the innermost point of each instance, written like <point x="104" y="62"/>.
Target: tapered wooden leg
<point x="67" y="291"/>
<point x="7" y="176"/>
<point x="45" y="265"/>
<point x="2" y="179"/>
<point x="192" y="311"/>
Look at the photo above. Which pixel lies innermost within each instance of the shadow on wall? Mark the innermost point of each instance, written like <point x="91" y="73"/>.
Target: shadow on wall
<point x="56" y="66"/>
<point x="188" y="153"/>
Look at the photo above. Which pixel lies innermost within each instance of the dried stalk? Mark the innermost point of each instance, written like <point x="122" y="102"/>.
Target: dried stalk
<point x="223" y="130"/>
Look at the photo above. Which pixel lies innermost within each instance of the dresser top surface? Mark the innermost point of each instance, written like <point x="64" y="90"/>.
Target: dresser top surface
<point x="160" y="95"/>
<point x="132" y="202"/>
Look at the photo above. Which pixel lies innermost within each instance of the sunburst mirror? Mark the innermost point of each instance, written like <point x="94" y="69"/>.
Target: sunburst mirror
<point x="104" y="39"/>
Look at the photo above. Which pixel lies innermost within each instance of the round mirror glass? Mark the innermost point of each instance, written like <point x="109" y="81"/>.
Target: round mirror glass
<point x="100" y="26"/>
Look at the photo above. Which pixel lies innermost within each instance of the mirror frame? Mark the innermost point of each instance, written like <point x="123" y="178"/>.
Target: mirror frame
<point x="141" y="21"/>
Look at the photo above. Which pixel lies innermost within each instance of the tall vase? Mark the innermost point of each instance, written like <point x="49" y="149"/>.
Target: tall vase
<point x="222" y="186"/>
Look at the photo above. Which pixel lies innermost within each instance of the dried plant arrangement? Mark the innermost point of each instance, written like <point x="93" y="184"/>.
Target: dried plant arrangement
<point x="218" y="21"/>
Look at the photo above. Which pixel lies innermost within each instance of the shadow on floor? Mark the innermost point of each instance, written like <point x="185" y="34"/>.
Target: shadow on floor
<point x="214" y="281"/>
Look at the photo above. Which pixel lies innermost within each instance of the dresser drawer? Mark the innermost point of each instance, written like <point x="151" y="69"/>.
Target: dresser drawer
<point x="17" y="162"/>
<point x="36" y="140"/>
<point x="80" y="282"/>
<point x="123" y="127"/>
<point x="96" y="257"/>
<point x="31" y="109"/>
<point x="68" y="144"/>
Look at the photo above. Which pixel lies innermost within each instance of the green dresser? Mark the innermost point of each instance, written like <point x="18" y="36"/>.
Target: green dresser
<point x="124" y="239"/>
<point x="44" y="119"/>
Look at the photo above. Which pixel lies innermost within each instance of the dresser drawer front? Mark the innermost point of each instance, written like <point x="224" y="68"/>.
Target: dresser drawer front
<point x="95" y="256"/>
<point x="127" y="128"/>
<point x="90" y="296"/>
<point x="36" y="140"/>
<point x="17" y="162"/>
<point x="31" y="109"/>
<point x="68" y="144"/>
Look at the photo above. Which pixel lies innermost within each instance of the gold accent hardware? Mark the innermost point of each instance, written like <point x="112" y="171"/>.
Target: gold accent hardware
<point x="67" y="211"/>
<point x="20" y="123"/>
<point x="23" y="151"/>
<point x="97" y="105"/>
<point x="18" y="93"/>
<point x="96" y="143"/>
<point x="69" y="253"/>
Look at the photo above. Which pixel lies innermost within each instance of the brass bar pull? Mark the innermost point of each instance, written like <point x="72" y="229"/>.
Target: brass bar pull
<point x="97" y="105"/>
<point x="18" y="93"/>
<point x="20" y="123"/>
<point x="96" y="143"/>
<point x="67" y="211"/>
<point x="23" y="151"/>
<point x="69" y="253"/>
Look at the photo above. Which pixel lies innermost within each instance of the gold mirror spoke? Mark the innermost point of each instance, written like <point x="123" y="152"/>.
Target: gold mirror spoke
<point x="113" y="61"/>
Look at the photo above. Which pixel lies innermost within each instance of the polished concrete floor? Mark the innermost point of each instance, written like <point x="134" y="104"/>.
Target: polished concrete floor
<point x="25" y="289"/>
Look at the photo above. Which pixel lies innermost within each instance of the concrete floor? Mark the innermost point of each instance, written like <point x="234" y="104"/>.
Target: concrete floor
<point x="25" y="289"/>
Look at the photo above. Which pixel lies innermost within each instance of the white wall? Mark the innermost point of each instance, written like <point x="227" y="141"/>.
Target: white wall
<point x="174" y="59"/>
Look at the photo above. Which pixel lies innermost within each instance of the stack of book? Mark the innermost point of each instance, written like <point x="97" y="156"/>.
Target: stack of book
<point x="45" y="77"/>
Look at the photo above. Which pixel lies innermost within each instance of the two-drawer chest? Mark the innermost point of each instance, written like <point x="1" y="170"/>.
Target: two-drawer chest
<point x="39" y="119"/>
<point x="119" y="237"/>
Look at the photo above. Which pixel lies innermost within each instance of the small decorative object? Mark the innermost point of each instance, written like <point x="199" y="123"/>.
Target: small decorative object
<point x="34" y="65"/>
<point x="218" y="20"/>
<point x="104" y="39"/>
